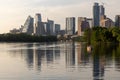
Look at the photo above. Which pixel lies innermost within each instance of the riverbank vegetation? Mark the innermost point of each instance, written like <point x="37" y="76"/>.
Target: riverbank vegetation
<point x="26" y="38"/>
<point x="102" y="34"/>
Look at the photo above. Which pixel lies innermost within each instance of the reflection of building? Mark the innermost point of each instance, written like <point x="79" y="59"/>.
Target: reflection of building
<point x="98" y="67"/>
<point x="49" y="56"/>
<point x="83" y="24"/>
<point x="79" y="53"/>
<point x="38" y="55"/>
<point x="117" y="60"/>
<point x="29" y="58"/>
<point x="70" y="25"/>
<point x="28" y="26"/>
<point x="82" y="55"/>
<point x="70" y="54"/>
<point x="57" y="53"/>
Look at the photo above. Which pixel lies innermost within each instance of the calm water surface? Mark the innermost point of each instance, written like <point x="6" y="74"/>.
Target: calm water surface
<point x="59" y="61"/>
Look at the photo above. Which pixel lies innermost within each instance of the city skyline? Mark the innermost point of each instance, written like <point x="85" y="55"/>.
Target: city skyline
<point x="14" y="12"/>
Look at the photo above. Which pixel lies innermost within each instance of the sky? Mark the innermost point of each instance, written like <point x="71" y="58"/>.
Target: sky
<point x="13" y="13"/>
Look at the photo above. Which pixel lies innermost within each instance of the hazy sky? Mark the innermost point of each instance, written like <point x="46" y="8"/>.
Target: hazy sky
<point x="13" y="13"/>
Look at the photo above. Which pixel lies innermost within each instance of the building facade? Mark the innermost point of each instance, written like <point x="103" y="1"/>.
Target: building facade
<point x="35" y="26"/>
<point x="96" y="14"/>
<point x="102" y="10"/>
<point x="117" y="21"/>
<point x="83" y="24"/>
<point x="39" y="26"/>
<point x="50" y="26"/>
<point x="90" y="21"/>
<point x="57" y="28"/>
<point x="70" y="25"/>
<point x="108" y="23"/>
<point x="28" y="26"/>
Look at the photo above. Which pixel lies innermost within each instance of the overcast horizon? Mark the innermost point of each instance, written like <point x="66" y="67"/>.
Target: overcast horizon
<point x="13" y="13"/>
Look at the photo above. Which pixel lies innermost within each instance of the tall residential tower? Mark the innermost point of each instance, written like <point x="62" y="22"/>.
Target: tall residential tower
<point x="39" y="26"/>
<point x="96" y="14"/>
<point x="117" y="21"/>
<point x="51" y="26"/>
<point x="70" y="25"/>
<point x="28" y="26"/>
<point x="83" y="24"/>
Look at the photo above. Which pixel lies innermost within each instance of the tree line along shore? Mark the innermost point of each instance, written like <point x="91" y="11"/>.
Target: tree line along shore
<point x="26" y="38"/>
<point x="95" y="34"/>
<point x="102" y="34"/>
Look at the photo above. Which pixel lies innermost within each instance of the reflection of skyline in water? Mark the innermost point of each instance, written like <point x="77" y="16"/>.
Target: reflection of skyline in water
<point x="70" y="54"/>
<point x="98" y="67"/>
<point x="35" y="57"/>
<point x="73" y="55"/>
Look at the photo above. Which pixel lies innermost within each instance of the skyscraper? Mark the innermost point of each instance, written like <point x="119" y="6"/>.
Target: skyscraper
<point x="51" y="26"/>
<point x="38" y="18"/>
<point x="28" y="26"/>
<point x="117" y="21"/>
<point x="102" y="10"/>
<point x="83" y="24"/>
<point x="45" y="27"/>
<point x="96" y="14"/>
<point x="39" y="26"/>
<point x="70" y="25"/>
<point x="57" y="28"/>
<point x="108" y="23"/>
<point x="102" y="15"/>
<point x="90" y="21"/>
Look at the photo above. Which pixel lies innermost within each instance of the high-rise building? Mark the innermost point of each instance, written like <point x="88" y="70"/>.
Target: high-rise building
<point x="96" y="14"/>
<point x="102" y="18"/>
<point x="117" y="21"/>
<point x="90" y="21"/>
<point x="61" y="32"/>
<point x="57" y="28"/>
<point x="108" y="23"/>
<point x="28" y="26"/>
<point x="39" y="26"/>
<point x="102" y="10"/>
<point x="51" y="26"/>
<point x="70" y="25"/>
<point x="83" y="24"/>
<point x="38" y="18"/>
<point x="45" y="27"/>
<point x="102" y="15"/>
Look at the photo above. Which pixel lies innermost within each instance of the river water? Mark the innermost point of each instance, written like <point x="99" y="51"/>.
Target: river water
<point x="59" y="61"/>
